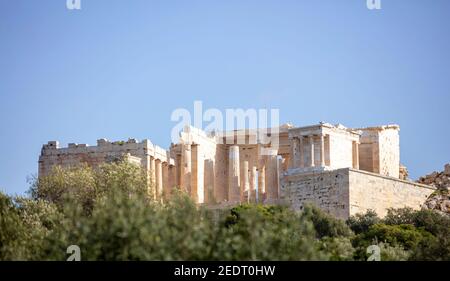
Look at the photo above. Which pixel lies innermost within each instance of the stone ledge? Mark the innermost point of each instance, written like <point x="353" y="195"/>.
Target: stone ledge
<point x="299" y="173"/>
<point x="390" y="178"/>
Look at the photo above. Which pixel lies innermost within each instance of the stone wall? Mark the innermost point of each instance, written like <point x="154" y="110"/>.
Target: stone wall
<point x="389" y="144"/>
<point x="155" y="160"/>
<point x="346" y="192"/>
<point x="376" y="192"/>
<point x="327" y="190"/>
<point x="379" y="151"/>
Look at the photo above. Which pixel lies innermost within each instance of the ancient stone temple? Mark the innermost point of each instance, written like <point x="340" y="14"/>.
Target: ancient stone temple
<point x="343" y="171"/>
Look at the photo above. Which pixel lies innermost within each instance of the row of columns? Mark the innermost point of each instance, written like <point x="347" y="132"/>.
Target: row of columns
<point x="298" y="152"/>
<point x="245" y="182"/>
<point x="196" y="175"/>
<point x="161" y="177"/>
<point x="258" y="183"/>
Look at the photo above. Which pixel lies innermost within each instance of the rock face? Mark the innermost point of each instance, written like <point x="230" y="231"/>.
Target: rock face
<point x="439" y="200"/>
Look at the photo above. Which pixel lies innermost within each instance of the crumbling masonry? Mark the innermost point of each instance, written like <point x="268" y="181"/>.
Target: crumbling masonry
<point x="343" y="171"/>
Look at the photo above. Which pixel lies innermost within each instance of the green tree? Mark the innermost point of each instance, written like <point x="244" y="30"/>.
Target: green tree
<point x="362" y="222"/>
<point x="325" y="224"/>
<point x="24" y="224"/>
<point x="83" y="185"/>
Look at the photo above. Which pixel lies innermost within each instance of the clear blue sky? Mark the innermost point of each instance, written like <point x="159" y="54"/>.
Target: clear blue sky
<point x="117" y="69"/>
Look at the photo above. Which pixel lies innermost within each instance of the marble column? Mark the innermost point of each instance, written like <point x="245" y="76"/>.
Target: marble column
<point x="197" y="169"/>
<point x="355" y="155"/>
<point x="153" y="177"/>
<point x="159" y="179"/>
<point x="245" y="196"/>
<point x="272" y="178"/>
<point x="234" y="188"/>
<point x="261" y="181"/>
<point x="172" y="172"/>
<point x="209" y="181"/>
<point x="301" y="153"/>
<point x="165" y="183"/>
<point x="148" y="174"/>
<point x="311" y="151"/>
<point x="322" y="150"/>
<point x="295" y="153"/>
<point x="186" y="168"/>
<point x="253" y="184"/>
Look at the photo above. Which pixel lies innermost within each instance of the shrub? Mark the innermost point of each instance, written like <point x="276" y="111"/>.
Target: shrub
<point x="436" y="247"/>
<point x="393" y="252"/>
<point x="255" y="232"/>
<point x="338" y="248"/>
<point x="405" y="235"/>
<point x="325" y="224"/>
<point x="362" y="222"/>
<point x="400" y="216"/>
<point x="24" y="224"/>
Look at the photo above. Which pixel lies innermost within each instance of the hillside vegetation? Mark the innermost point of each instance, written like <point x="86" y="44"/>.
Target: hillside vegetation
<point x="107" y="213"/>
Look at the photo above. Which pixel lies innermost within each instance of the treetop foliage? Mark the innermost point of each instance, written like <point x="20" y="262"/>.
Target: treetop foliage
<point x="108" y="213"/>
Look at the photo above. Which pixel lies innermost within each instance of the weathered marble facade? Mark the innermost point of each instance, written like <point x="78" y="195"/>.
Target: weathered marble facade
<point x="323" y="164"/>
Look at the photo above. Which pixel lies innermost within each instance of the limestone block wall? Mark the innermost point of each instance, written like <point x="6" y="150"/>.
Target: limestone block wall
<point x="75" y="154"/>
<point x="377" y="192"/>
<point x="346" y="192"/>
<point x="327" y="190"/>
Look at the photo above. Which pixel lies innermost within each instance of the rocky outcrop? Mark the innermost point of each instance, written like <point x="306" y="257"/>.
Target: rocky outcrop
<point x="440" y="199"/>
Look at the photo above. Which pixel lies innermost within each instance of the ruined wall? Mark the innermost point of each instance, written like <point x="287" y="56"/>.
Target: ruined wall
<point x="75" y="154"/>
<point x="155" y="160"/>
